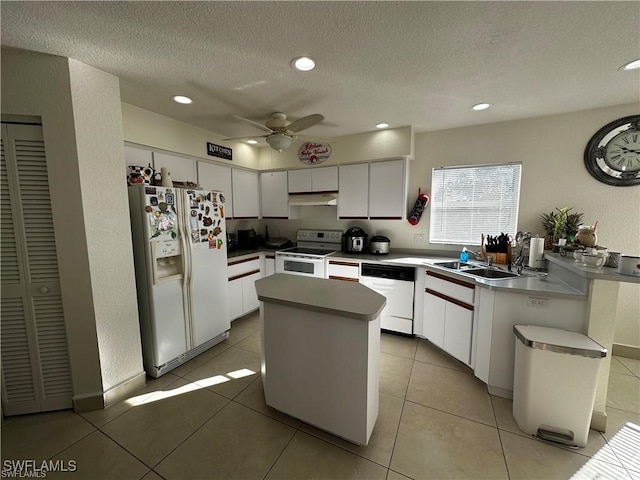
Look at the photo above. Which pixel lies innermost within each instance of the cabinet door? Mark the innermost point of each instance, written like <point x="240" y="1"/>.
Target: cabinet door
<point x="387" y="190"/>
<point x="299" y="181"/>
<point x="181" y="169"/>
<point x="250" y="300"/>
<point x="275" y="199"/>
<point x="137" y="156"/>
<point x="269" y="265"/>
<point x="236" y="308"/>
<point x="216" y="177"/>
<point x="457" y="332"/>
<point x="433" y="319"/>
<point x="246" y="202"/>
<point x="324" y="179"/>
<point x="353" y="191"/>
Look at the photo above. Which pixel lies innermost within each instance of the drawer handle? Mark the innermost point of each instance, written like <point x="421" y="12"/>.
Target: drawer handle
<point x="44" y="290"/>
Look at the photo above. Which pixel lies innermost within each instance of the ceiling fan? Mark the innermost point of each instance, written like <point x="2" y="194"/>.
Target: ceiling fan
<point x="281" y="132"/>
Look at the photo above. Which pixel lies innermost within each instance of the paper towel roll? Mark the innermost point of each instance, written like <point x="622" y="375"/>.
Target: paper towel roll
<point x="536" y="250"/>
<point x="166" y="177"/>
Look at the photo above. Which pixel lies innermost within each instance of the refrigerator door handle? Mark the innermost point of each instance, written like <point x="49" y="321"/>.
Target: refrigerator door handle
<point x="185" y="235"/>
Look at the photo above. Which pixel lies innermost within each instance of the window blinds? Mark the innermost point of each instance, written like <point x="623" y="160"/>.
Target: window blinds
<point x="469" y="201"/>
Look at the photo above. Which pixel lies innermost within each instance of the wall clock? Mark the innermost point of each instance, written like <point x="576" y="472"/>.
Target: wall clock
<point x="612" y="155"/>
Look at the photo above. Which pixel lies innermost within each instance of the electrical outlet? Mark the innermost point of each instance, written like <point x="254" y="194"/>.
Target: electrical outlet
<point x="418" y="238"/>
<point x="537" y="302"/>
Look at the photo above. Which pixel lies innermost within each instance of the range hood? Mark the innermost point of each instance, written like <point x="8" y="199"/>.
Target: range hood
<point x="313" y="199"/>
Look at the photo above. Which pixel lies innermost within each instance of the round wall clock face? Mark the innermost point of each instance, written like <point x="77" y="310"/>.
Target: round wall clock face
<point x="612" y="155"/>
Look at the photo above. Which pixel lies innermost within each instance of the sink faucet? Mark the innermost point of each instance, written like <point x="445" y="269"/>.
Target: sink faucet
<point x="480" y="256"/>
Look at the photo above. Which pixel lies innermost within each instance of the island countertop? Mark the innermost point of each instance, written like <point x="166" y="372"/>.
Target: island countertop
<point x="345" y="299"/>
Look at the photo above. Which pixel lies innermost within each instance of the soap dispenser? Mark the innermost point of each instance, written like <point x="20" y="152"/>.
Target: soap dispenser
<point x="464" y="255"/>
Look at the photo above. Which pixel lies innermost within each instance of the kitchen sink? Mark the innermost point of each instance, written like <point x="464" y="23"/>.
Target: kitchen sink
<point x="491" y="273"/>
<point x="455" y="265"/>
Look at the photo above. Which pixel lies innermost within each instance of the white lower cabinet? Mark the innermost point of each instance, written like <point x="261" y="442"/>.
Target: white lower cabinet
<point x="269" y="265"/>
<point x="242" y="275"/>
<point x="447" y="317"/>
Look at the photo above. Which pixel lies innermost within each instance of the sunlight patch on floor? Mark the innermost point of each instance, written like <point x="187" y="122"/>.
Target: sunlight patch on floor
<point x="625" y="446"/>
<point x="202" y="383"/>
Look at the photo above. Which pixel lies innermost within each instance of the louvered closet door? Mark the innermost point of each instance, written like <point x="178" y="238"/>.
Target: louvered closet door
<point x="35" y="361"/>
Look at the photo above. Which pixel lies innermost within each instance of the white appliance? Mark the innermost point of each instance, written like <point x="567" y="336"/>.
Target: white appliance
<point x="308" y="257"/>
<point x="396" y="283"/>
<point x="179" y="241"/>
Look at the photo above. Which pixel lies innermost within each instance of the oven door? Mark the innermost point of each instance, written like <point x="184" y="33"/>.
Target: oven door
<point x="300" y="265"/>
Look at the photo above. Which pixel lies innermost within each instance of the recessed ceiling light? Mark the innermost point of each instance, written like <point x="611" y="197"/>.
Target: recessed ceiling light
<point x="382" y="125"/>
<point x="630" y="66"/>
<point x="252" y="142"/>
<point x="480" y="106"/>
<point x="182" y="99"/>
<point x="303" y="64"/>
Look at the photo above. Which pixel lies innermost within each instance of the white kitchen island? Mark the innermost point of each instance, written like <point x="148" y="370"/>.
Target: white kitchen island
<point x="321" y="351"/>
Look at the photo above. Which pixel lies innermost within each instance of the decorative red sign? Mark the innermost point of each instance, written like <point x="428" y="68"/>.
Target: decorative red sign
<point x="313" y="153"/>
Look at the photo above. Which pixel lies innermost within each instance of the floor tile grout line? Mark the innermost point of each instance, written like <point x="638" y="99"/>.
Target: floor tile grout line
<point x="495" y="418"/>
<point x="450" y="413"/>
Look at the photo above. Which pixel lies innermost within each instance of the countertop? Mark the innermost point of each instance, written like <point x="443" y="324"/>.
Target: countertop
<point x="528" y="283"/>
<point x="342" y="299"/>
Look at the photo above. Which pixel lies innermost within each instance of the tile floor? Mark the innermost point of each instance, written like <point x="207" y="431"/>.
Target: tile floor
<point x="207" y="419"/>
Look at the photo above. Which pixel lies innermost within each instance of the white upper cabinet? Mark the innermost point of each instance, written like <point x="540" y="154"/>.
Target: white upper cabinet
<point x="216" y="177"/>
<point x="322" y="179"/>
<point x="299" y="181"/>
<point x="137" y="156"/>
<point x="388" y="190"/>
<point x="275" y="199"/>
<point x="181" y="169"/>
<point x="246" y="200"/>
<point x="353" y="191"/>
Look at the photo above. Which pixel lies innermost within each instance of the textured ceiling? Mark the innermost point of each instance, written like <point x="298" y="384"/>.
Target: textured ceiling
<point x="405" y="63"/>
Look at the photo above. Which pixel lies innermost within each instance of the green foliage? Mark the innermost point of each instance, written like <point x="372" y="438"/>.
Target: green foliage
<point x="561" y="223"/>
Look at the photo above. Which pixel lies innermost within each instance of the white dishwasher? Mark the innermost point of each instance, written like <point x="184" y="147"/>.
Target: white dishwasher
<point x="396" y="284"/>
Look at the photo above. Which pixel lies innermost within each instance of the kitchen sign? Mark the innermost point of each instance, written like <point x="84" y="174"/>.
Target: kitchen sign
<point x="312" y="153"/>
<point x="219" y="151"/>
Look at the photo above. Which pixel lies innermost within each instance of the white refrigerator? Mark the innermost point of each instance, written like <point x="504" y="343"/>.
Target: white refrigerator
<point x="180" y="252"/>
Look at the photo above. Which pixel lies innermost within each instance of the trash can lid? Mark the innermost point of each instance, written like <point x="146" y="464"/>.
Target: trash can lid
<point x="559" y="341"/>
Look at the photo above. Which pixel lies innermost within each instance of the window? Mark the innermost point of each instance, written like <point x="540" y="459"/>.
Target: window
<point x="469" y="201"/>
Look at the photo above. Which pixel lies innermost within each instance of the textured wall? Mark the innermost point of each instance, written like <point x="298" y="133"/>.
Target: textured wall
<point x="99" y="138"/>
<point x="82" y="125"/>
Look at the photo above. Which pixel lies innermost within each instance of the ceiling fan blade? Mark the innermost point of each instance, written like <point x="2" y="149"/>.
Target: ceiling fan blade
<point x="305" y="122"/>
<point x="247" y="137"/>
<point x="314" y="138"/>
<point x="255" y="124"/>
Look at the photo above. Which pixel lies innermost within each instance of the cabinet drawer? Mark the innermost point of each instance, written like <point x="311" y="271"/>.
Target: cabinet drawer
<point x="240" y="267"/>
<point x="344" y="269"/>
<point x="454" y="288"/>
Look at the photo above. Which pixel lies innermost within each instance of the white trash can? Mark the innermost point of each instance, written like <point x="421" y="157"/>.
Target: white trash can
<point x="555" y="379"/>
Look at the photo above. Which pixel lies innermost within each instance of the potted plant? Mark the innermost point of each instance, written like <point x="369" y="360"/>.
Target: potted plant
<point x="560" y="224"/>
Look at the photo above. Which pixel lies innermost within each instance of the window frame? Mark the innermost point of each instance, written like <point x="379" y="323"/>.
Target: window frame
<point x="481" y="219"/>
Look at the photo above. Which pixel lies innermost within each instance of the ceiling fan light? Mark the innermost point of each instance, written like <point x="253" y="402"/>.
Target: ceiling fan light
<point x="182" y="99"/>
<point x="382" y="125"/>
<point x="252" y="142"/>
<point x="279" y="141"/>
<point x="303" y="64"/>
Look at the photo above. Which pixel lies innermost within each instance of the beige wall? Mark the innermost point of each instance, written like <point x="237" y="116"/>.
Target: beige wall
<point x="154" y="130"/>
<point x="82" y="125"/>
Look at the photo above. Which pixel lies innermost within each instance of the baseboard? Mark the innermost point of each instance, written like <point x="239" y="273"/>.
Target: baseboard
<point x="599" y="421"/>
<point x="124" y="389"/>
<point x="88" y="403"/>
<point x="500" y="392"/>
<point x="628" y="351"/>
<point x="101" y="400"/>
